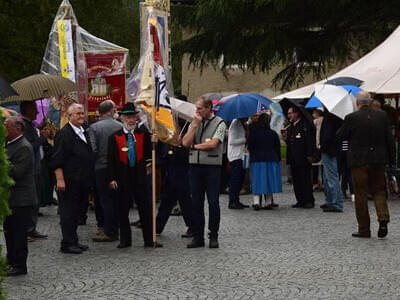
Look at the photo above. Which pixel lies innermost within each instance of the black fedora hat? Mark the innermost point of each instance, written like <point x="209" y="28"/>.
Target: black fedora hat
<point x="129" y="109"/>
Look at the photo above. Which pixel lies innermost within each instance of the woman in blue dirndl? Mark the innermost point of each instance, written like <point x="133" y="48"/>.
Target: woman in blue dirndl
<point x="265" y="155"/>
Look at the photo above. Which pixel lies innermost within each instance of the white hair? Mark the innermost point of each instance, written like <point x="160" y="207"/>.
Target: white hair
<point x="72" y="108"/>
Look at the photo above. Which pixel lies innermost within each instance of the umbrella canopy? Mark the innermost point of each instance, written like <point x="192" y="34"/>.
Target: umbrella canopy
<point x="336" y="99"/>
<point x="242" y="106"/>
<point x="288" y="103"/>
<point x="345" y="80"/>
<point x="315" y="102"/>
<point x="41" y="86"/>
<point x="6" y="90"/>
<point x="185" y="110"/>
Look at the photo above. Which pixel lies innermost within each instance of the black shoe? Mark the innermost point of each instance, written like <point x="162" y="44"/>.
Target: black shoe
<point x="195" y="244"/>
<point x="16" y="271"/>
<point x="71" y="250"/>
<point x="235" y="206"/>
<point x="308" y="205"/>
<point x="332" y="209"/>
<point x="214" y="243"/>
<point x="82" y="247"/>
<point x="297" y="205"/>
<point x="361" y="235"/>
<point x="37" y="235"/>
<point x="124" y="245"/>
<point x="268" y="207"/>
<point x="244" y="205"/>
<point x="323" y="206"/>
<point x="274" y="205"/>
<point x="150" y="245"/>
<point x="187" y="234"/>
<point x="256" y="206"/>
<point x="383" y="229"/>
<point x="40" y="214"/>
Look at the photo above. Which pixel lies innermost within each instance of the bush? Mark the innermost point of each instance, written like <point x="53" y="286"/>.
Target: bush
<point x="5" y="183"/>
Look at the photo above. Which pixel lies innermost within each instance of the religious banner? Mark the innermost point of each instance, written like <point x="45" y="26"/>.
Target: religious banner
<point x="66" y="47"/>
<point x="106" y="78"/>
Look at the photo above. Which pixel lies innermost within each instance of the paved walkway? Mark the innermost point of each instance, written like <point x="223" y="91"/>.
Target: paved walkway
<point x="282" y="254"/>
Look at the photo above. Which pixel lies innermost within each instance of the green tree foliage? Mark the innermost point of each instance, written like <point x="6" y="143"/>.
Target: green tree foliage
<point x="25" y="26"/>
<point x="303" y="36"/>
<point x="5" y="183"/>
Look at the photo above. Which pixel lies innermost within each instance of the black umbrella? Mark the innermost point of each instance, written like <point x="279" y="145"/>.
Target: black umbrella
<point x="6" y="90"/>
<point x="345" y="81"/>
<point x="288" y="103"/>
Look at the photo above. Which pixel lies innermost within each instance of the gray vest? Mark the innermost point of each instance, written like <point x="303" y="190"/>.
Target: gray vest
<point x="203" y="133"/>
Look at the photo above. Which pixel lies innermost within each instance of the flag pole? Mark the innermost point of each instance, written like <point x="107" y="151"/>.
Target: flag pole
<point x="153" y="172"/>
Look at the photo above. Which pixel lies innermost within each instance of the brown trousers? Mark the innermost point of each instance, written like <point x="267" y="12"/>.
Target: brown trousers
<point x="369" y="179"/>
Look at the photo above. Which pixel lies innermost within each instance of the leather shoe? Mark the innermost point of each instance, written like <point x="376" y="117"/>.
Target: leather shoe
<point x="187" y="234"/>
<point x="332" y="209"/>
<point x="235" y="206"/>
<point x="82" y="247"/>
<point x="136" y="224"/>
<point x="124" y="245"/>
<point x="195" y="244"/>
<point x="71" y="250"/>
<point x="16" y="272"/>
<point x="243" y="205"/>
<point x="361" y="235"/>
<point x="213" y="243"/>
<point x="383" y="229"/>
<point x="37" y="235"/>
<point x="323" y="206"/>
<point x="150" y="245"/>
<point x="297" y="205"/>
<point x="256" y="206"/>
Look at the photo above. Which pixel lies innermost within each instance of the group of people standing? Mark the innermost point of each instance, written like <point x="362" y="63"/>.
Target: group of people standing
<point x="113" y="159"/>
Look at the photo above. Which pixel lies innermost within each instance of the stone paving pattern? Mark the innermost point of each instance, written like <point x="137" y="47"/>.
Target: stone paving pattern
<point x="281" y="254"/>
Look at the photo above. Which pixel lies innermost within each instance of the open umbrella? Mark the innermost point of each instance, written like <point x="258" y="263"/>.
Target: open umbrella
<point x="336" y="99"/>
<point x="242" y="106"/>
<point x="6" y="90"/>
<point x="315" y="102"/>
<point x="185" y="110"/>
<point x="345" y="80"/>
<point x="41" y="86"/>
<point x="288" y="103"/>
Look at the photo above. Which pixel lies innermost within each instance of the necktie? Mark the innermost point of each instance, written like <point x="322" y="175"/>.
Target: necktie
<point x="131" y="150"/>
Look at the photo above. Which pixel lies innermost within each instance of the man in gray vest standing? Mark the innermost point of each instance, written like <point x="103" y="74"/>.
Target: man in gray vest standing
<point x="204" y="138"/>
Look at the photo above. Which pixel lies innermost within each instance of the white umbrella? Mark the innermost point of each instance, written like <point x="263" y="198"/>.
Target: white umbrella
<point x="336" y="99"/>
<point x="185" y="110"/>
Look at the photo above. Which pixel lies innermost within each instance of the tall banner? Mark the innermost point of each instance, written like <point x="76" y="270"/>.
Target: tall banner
<point x="106" y="78"/>
<point x="66" y="47"/>
<point x="150" y="83"/>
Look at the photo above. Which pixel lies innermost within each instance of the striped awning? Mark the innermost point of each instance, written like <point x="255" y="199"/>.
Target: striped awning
<point x="41" y="86"/>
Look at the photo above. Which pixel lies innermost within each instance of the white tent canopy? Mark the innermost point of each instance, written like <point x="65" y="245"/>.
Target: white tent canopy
<point x="379" y="69"/>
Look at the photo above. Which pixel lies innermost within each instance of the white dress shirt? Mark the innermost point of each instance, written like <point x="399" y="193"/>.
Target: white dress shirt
<point x="79" y="131"/>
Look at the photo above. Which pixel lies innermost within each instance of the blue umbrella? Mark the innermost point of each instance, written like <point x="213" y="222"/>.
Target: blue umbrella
<point x="315" y="102"/>
<point x="243" y="106"/>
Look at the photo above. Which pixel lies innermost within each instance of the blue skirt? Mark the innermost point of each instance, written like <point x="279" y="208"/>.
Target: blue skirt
<point x="266" y="177"/>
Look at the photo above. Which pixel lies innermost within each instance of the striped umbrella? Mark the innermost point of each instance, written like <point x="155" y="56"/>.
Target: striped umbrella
<point x="41" y="86"/>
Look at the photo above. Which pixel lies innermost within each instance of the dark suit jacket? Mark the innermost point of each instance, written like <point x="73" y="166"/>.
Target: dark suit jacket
<point x="263" y="144"/>
<point x="119" y="170"/>
<point x="328" y="140"/>
<point x="30" y="133"/>
<point x="370" y="139"/>
<point x="300" y="143"/>
<point x="23" y="192"/>
<point x="73" y="156"/>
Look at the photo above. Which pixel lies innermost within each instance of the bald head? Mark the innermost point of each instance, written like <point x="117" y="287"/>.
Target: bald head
<point x="106" y="107"/>
<point x="363" y="98"/>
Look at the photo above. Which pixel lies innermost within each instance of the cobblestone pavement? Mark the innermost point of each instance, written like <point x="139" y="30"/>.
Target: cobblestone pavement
<point x="282" y="254"/>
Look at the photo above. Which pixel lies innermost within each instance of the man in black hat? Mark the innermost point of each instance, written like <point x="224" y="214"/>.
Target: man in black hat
<point x="129" y="154"/>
